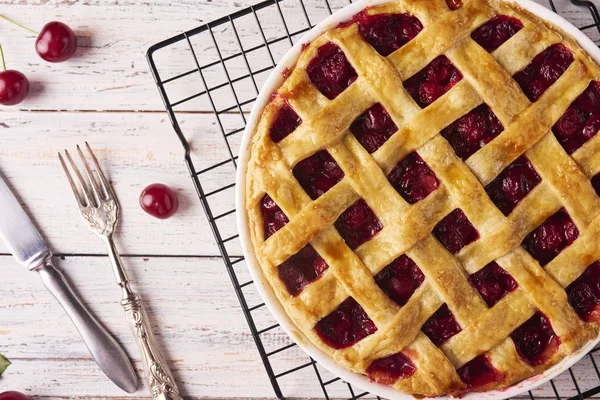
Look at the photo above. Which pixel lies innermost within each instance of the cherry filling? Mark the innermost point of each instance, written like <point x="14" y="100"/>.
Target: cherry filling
<point x="596" y="183"/>
<point x="285" y="123"/>
<point x="454" y="4"/>
<point x="513" y="184"/>
<point x="441" y="326"/>
<point x="544" y="70"/>
<point x="535" y="340"/>
<point x="388" y="32"/>
<point x="400" y="279"/>
<point x="330" y="71"/>
<point x="388" y="370"/>
<point x="472" y="131"/>
<point x="301" y="269"/>
<point x="492" y="283"/>
<point x="552" y="237"/>
<point x="496" y="31"/>
<point x="479" y="372"/>
<point x="318" y="173"/>
<point x="455" y="231"/>
<point x="584" y="293"/>
<point x="427" y="85"/>
<point x="273" y="217"/>
<point x="373" y="128"/>
<point x="581" y="121"/>
<point x="413" y="178"/>
<point x="358" y="224"/>
<point x="346" y="325"/>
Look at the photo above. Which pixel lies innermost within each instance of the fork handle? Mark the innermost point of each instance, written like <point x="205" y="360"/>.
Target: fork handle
<point x="160" y="380"/>
<point x="158" y="375"/>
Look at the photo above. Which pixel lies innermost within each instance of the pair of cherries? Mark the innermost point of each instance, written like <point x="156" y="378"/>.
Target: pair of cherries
<point x="55" y="43"/>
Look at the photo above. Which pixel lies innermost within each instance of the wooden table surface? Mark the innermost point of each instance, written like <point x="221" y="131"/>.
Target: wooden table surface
<point x="105" y="95"/>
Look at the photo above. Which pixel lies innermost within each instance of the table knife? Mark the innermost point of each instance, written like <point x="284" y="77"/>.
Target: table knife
<point x="29" y="249"/>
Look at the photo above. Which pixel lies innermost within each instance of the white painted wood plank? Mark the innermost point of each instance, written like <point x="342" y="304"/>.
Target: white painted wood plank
<point x="110" y="72"/>
<point x="135" y="149"/>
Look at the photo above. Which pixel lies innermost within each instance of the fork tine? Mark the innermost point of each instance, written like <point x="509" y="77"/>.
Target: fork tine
<point x="107" y="187"/>
<point x="71" y="182"/>
<point x="95" y="189"/>
<point x="82" y="184"/>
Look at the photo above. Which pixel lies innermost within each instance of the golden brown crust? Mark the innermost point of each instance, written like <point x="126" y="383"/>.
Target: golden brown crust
<point x="407" y="228"/>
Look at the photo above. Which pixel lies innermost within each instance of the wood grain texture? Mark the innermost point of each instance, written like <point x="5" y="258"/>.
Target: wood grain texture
<point x="107" y="96"/>
<point x="135" y="150"/>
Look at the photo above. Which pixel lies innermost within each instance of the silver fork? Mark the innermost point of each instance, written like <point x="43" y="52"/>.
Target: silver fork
<point x="100" y="210"/>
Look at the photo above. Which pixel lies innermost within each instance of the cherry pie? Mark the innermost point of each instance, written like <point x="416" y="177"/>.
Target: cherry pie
<point x="422" y="195"/>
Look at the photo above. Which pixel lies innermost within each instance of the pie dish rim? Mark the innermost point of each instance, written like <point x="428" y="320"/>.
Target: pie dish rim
<point x="270" y="86"/>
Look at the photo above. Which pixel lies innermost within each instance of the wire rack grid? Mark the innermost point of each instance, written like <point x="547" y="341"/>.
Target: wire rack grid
<point x="209" y="78"/>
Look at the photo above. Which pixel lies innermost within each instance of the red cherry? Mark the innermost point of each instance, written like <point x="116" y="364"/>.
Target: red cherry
<point x="14" y="86"/>
<point x="56" y="42"/>
<point x="159" y="200"/>
<point x="12" y="395"/>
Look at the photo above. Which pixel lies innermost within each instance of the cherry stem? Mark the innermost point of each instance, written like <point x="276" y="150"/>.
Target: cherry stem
<point x="18" y="24"/>
<point x="2" y="56"/>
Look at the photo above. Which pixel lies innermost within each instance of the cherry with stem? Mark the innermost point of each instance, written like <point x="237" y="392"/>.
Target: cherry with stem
<point x="14" y="85"/>
<point x="56" y="42"/>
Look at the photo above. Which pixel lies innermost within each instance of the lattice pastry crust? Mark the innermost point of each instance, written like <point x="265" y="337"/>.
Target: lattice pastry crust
<point x="407" y="226"/>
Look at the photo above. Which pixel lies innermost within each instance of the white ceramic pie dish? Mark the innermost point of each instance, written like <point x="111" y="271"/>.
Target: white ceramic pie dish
<point x="271" y="85"/>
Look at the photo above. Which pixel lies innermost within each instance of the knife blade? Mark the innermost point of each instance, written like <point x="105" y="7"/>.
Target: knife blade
<point x="28" y="247"/>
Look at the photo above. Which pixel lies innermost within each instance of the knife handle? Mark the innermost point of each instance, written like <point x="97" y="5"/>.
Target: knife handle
<point x="105" y="350"/>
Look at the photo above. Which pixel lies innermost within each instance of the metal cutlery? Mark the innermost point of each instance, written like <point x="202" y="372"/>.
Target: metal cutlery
<point x="100" y="210"/>
<point x="29" y="248"/>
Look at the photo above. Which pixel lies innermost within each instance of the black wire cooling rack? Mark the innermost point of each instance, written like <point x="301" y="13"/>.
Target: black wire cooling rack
<point x="228" y="61"/>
